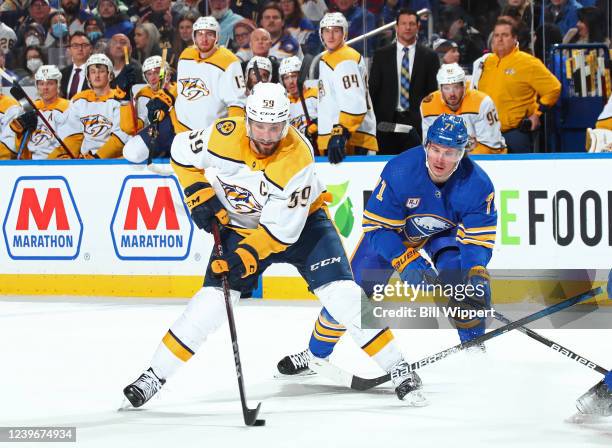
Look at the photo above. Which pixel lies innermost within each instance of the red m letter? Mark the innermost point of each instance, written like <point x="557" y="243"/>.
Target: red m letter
<point x="151" y="216"/>
<point x="53" y="203"/>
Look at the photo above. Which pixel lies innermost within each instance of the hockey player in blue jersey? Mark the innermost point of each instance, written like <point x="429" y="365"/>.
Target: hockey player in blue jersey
<point x="598" y="399"/>
<point x="433" y="199"/>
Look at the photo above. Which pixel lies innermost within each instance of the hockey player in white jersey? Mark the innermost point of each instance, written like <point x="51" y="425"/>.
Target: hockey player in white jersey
<point x="302" y="102"/>
<point x="33" y="139"/>
<point x="262" y="187"/>
<point x="264" y="66"/>
<point x="346" y="119"/>
<point x="475" y="107"/>
<point x="93" y="127"/>
<point x="210" y="82"/>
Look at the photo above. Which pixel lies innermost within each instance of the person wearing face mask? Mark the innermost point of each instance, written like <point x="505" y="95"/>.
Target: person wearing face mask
<point x="94" y="29"/>
<point x="34" y="58"/>
<point x="57" y="39"/>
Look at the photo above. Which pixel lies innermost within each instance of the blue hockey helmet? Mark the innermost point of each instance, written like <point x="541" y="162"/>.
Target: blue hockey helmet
<point x="448" y="130"/>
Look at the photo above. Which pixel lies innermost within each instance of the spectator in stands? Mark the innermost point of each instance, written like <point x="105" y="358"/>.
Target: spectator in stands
<point x="242" y="36"/>
<point x="589" y="29"/>
<point x="139" y="10"/>
<point x="314" y="10"/>
<point x="401" y="75"/>
<point x="116" y="54"/>
<point x="513" y="13"/>
<point x="260" y="43"/>
<point x="73" y="76"/>
<point x="519" y="84"/>
<point x="563" y="13"/>
<point x="146" y="41"/>
<point x="454" y="25"/>
<point x="161" y="16"/>
<point x="33" y="58"/>
<point x="220" y="10"/>
<point x="94" y="28"/>
<point x="115" y="22"/>
<point x="180" y="8"/>
<point x="354" y="15"/>
<point x="447" y="50"/>
<point x="57" y="39"/>
<point x="75" y="15"/>
<point x="182" y="36"/>
<point x="38" y="13"/>
<point x="302" y="29"/>
<point x="249" y="9"/>
<point x="272" y="20"/>
<point x="392" y="7"/>
<point x="483" y="14"/>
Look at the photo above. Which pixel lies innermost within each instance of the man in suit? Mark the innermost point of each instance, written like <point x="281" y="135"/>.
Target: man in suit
<point x="73" y="76"/>
<point x="401" y="75"/>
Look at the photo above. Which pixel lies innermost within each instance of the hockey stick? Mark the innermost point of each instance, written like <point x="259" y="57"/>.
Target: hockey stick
<point x="554" y="345"/>
<point x="24" y="139"/>
<point x="309" y="121"/>
<point x="250" y="415"/>
<point x="126" y="57"/>
<point x="19" y="93"/>
<point x="154" y="130"/>
<point x="396" y="128"/>
<point x="361" y="384"/>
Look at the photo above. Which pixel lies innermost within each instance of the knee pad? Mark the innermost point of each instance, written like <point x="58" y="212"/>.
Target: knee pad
<point x="342" y="299"/>
<point x="136" y="150"/>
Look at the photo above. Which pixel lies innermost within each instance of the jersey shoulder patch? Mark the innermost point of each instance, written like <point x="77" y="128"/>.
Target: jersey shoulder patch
<point x="291" y="158"/>
<point x="228" y="138"/>
<point x="225" y="127"/>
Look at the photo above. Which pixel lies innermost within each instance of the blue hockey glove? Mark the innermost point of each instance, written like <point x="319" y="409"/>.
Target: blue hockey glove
<point x="413" y="268"/>
<point x="478" y="277"/>
<point x="336" y="148"/>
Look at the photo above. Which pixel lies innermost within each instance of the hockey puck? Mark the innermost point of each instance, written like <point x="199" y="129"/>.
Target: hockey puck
<point x="259" y="423"/>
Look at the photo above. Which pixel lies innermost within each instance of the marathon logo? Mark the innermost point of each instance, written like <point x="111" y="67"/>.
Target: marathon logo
<point x="151" y="221"/>
<point x="42" y="221"/>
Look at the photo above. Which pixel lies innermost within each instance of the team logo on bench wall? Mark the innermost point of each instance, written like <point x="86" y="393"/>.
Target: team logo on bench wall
<point x="42" y="221"/>
<point x="151" y="221"/>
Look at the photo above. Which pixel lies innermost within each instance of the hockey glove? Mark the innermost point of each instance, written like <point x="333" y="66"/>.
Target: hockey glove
<point x="27" y="121"/>
<point x="156" y="110"/>
<point x="312" y="129"/>
<point x="17" y="91"/>
<point x="126" y="79"/>
<point x="478" y="277"/>
<point x="239" y="264"/>
<point x="205" y="206"/>
<point x="336" y="151"/>
<point x="413" y="268"/>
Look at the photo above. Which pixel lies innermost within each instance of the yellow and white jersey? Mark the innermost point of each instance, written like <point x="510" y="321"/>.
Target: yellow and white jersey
<point x="93" y="126"/>
<point x="478" y="113"/>
<point x="604" y="121"/>
<point x="141" y="99"/>
<point x="297" y="116"/>
<point x="42" y="142"/>
<point x="9" y="110"/>
<point x="344" y="98"/>
<point x="209" y="88"/>
<point x="267" y="199"/>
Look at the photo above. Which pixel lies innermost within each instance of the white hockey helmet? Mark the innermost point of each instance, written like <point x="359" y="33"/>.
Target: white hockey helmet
<point x="99" y="59"/>
<point x="206" y="23"/>
<point x="262" y="64"/>
<point x="268" y="103"/>
<point x="48" y="73"/>
<point x="331" y="19"/>
<point x="289" y="65"/>
<point x="151" y="63"/>
<point x="450" y="74"/>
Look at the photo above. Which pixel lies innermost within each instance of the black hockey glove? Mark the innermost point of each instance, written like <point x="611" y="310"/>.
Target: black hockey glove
<point x="156" y="110"/>
<point x="336" y="151"/>
<point x="28" y="121"/>
<point x="126" y="79"/>
<point x="205" y="206"/>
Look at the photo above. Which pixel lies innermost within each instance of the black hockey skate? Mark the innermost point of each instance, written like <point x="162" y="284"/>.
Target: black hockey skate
<point x="143" y="389"/>
<point x="596" y="401"/>
<point x="297" y="364"/>
<point x="408" y="385"/>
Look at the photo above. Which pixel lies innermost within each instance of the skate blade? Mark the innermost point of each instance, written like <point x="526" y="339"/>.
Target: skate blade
<point x="305" y="374"/>
<point x="416" y="399"/>
<point x="125" y="406"/>
<point x="580" y="418"/>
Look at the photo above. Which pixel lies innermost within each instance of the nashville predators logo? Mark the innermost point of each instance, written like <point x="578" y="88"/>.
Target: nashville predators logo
<point x="422" y="226"/>
<point x="193" y="88"/>
<point x="41" y="136"/>
<point x="96" y="125"/>
<point x="226" y="127"/>
<point x="298" y="122"/>
<point x="241" y="199"/>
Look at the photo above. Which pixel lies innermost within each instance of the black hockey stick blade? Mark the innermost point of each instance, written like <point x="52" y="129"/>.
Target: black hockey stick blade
<point x="250" y="416"/>
<point x="362" y="384"/>
<point x="397" y="128"/>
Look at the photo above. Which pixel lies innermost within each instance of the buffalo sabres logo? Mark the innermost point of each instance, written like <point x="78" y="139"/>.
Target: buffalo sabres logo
<point x="241" y="199"/>
<point x="193" y="88"/>
<point x="96" y="125"/>
<point x="41" y="136"/>
<point x="423" y="226"/>
<point x="226" y="127"/>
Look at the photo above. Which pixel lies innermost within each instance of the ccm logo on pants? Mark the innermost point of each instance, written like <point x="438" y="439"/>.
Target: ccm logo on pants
<point x="325" y="262"/>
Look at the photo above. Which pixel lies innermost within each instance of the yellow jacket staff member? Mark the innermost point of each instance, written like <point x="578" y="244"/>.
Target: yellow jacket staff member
<point x="517" y="82"/>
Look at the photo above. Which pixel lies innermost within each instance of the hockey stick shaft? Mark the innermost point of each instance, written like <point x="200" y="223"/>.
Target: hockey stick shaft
<point x="155" y="129"/>
<point x="554" y="345"/>
<point x="126" y="57"/>
<point x="361" y="384"/>
<point x="250" y="415"/>
<point x="38" y="112"/>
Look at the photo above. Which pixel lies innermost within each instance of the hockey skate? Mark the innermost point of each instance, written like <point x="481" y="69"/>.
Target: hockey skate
<point x="295" y="365"/>
<point x="596" y="401"/>
<point x="143" y="389"/>
<point x="408" y="385"/>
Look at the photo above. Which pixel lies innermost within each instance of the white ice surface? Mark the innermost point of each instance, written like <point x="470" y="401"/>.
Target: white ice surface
<point x="64" y="363"/>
